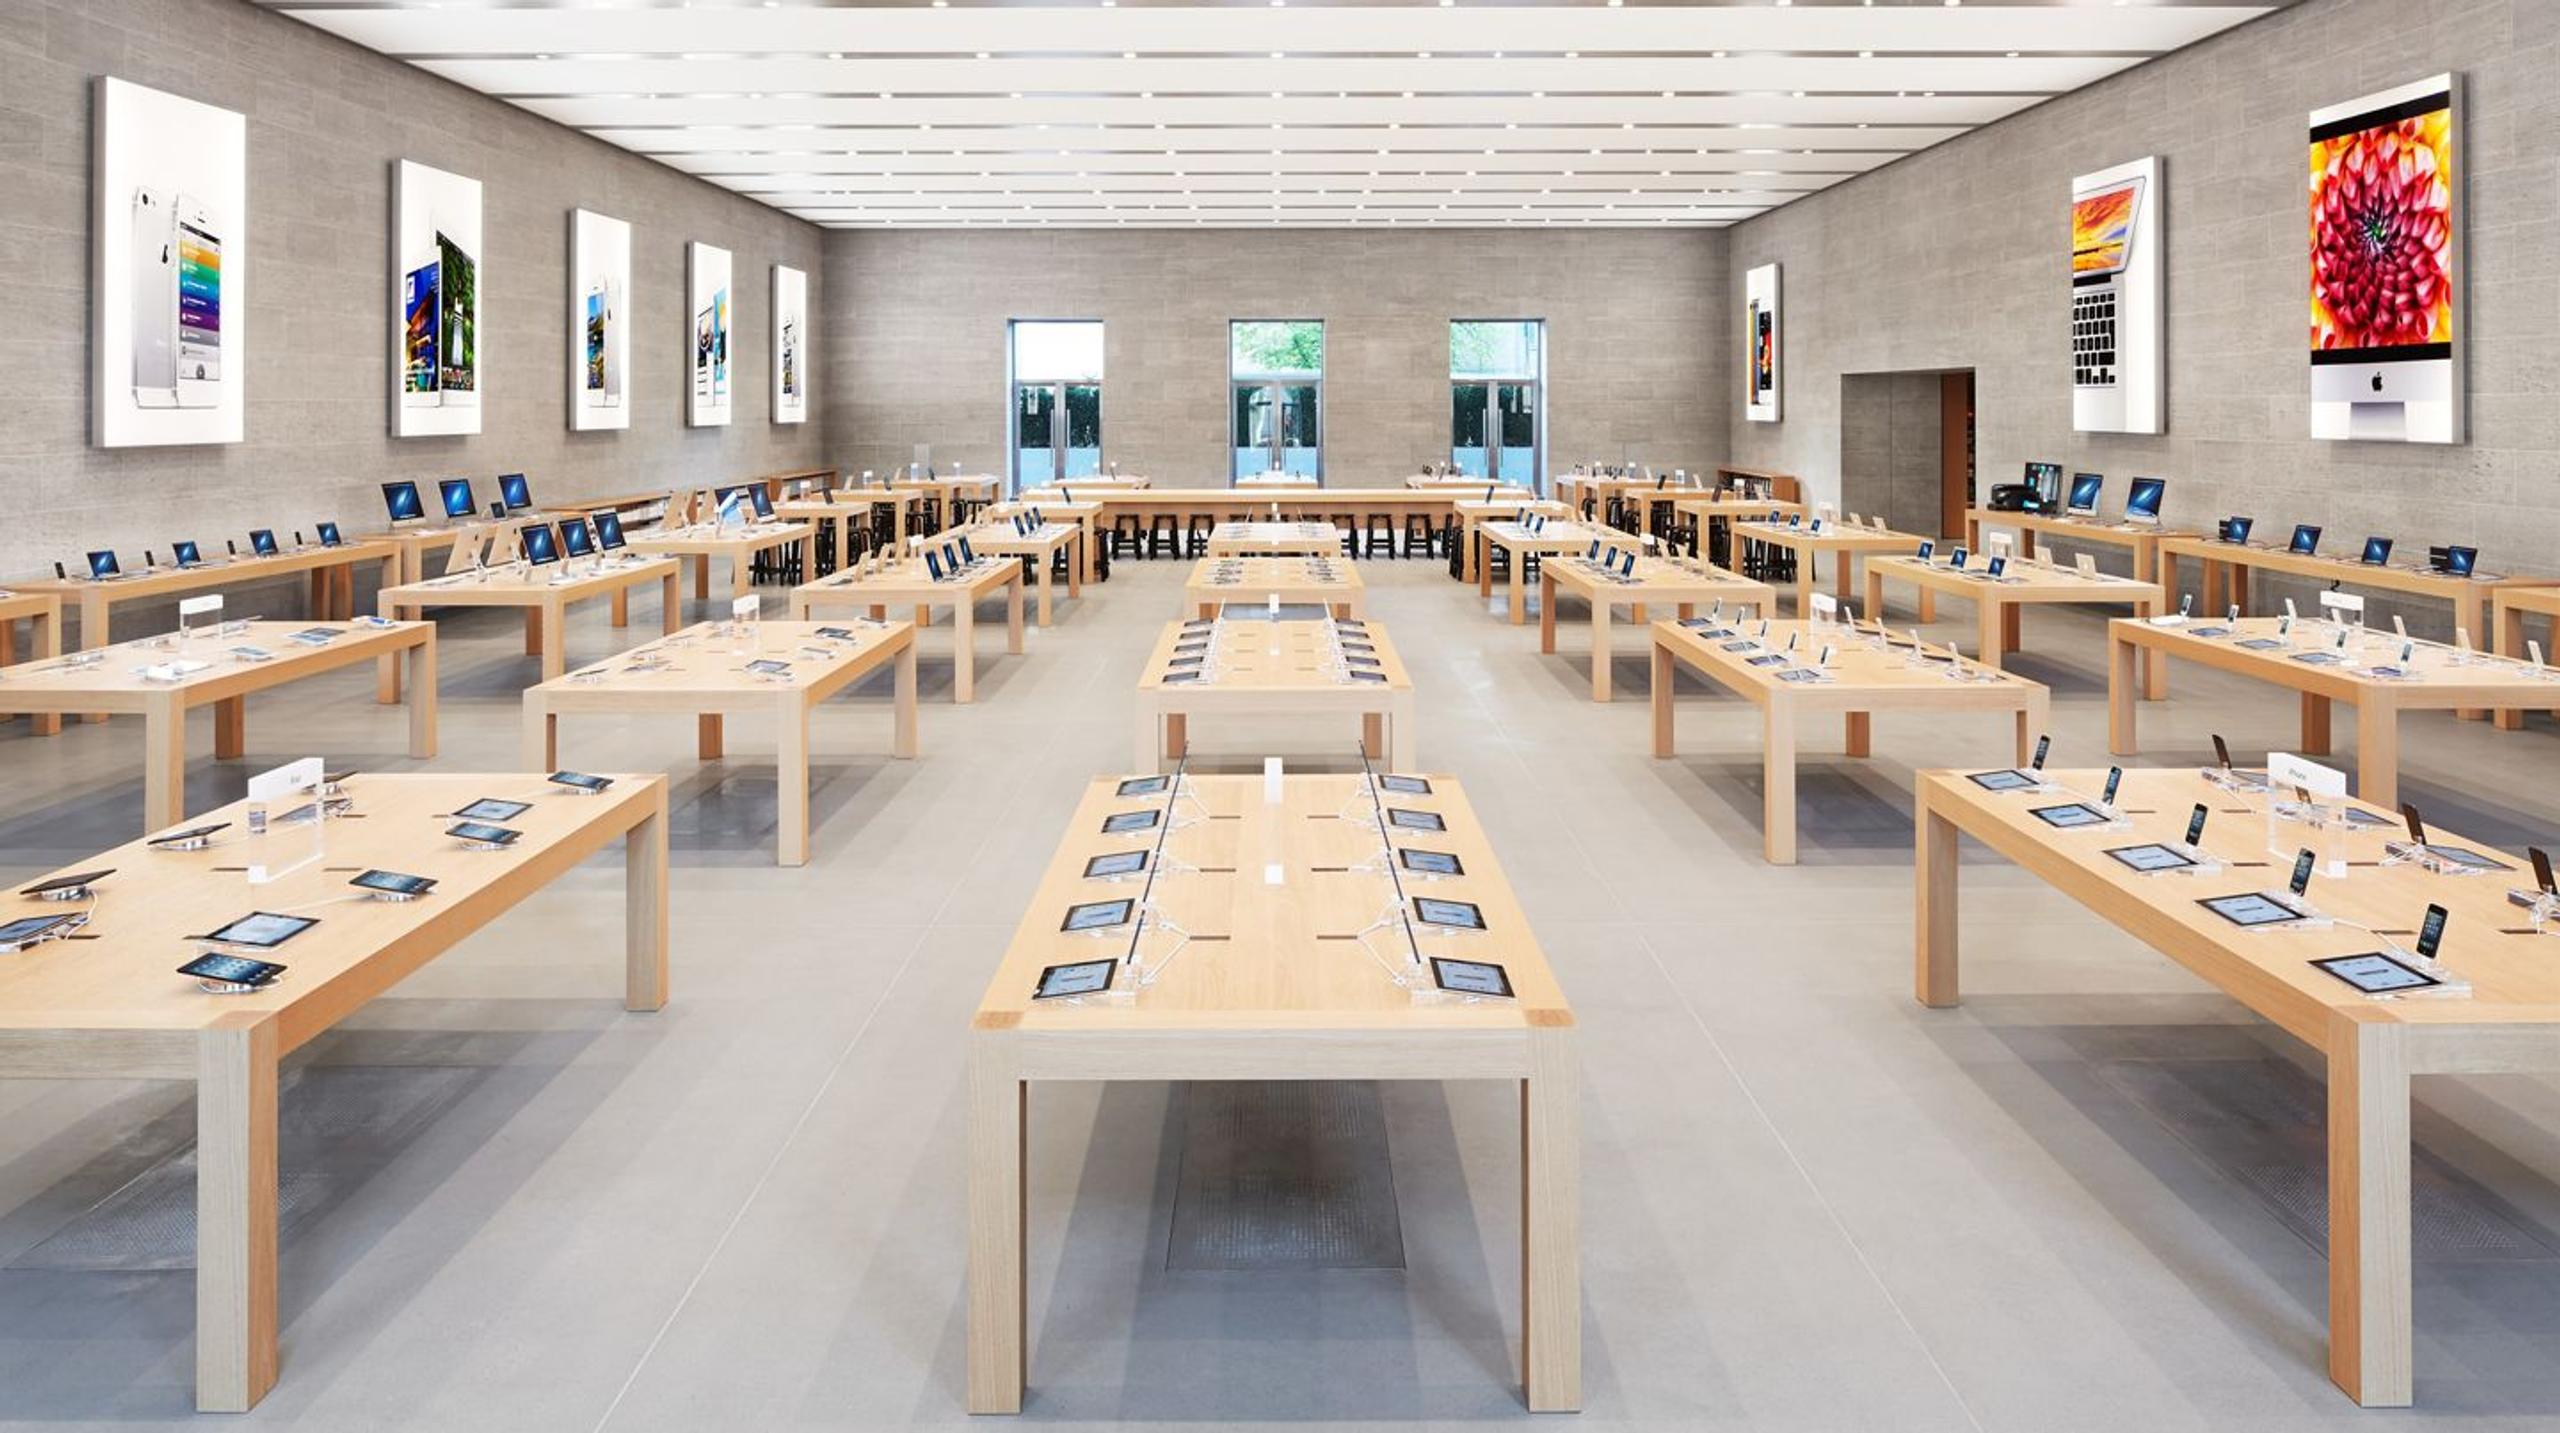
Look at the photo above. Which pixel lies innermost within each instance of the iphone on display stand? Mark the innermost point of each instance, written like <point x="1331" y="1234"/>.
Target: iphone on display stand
<point x="199" y="304"/>
<point x="155" y="301"/>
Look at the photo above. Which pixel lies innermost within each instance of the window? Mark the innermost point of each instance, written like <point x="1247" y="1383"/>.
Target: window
<point x="1275" y="396"/>
<point x="1057" y="400"/>
<point x="1495" y="367"/>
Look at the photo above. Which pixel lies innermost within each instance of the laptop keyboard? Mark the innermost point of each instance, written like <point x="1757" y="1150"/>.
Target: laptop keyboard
<point x="2093" y="338"/>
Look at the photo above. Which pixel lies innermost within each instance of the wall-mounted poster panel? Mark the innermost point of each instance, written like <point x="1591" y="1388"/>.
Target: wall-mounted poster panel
<point x="790" y="345"/>
<point x="169" y="252"/>
<point x="2386" y="281"/>
<point x="436" y="279"/>
<point x="599" y="321"/>
<point x="1760" y="339"/>
<point x="2117" y="348"/>
<point x="707" y="333"/>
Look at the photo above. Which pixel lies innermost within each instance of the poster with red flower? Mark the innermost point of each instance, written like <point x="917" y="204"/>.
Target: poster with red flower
<point x="2385" y="286"/>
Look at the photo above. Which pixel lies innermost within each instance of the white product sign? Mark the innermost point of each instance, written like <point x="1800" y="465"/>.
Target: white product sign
<point x="745" y="608"/>
<point x="2344" y="603"/>
<point x="199" y="606"/>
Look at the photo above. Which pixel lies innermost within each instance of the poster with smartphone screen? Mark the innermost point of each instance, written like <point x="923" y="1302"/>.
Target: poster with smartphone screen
<point x="790" y="345"/>
<point x="599" y="322"/>
<point x="169" y="257"/>
<point x="707" y="333"/>
<point x="436" y="283"/>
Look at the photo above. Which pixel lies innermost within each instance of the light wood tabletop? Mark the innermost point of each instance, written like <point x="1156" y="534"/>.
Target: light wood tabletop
<point x="416" y="542"/>
<point x="1839" y="541"/>
<point x="106" y="1004"/>
<point x="2508" y="1021"/>
<point x="2514" y="605"/>
<point x="2367" y="673"/>
<point x="1086" y="515"/>
<point x="1474" y="510"/>
<point x="709" y="671"/>
<point x="1868" y="672"/>
<point x="701" y="542"/>
<point x="1998" y="600"/>
<point x="1539" y="538"/>
<point x="42" y="612"/>
<point x="1274" y="539"/>
<point x="1273" y="940"/>
<point x="1329" y="582"/>
<point x="545" y="593"/>
<point x="2141" y="540"/>
<point x="876" y="586"/>
<point x="330" y="570"/>
<point x="1679" y="583"/>
<point x="1038" y="546"/>
<point x="162" y="679"/>
<point x="1238" y="666"/>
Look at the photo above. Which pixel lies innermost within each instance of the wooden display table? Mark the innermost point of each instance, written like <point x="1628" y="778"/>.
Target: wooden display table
<point x="1252" y="667"/>
<point x="823" y="514"/>
<point x="1998" y="601"/>
<point x="1332" y="583"/>
<point x="1040" y="548"/>
<point x="1676" y="582"/>
<point x="545" y="593"/>
<point x="1843" y="543"/>
<point x="619" y="503"/>
<point x="702" y="542"/>
<point x="1549" y="539"/>
<point x="108" y="1007"/>
<point x="1279" y="482"/>
<point x="331" y="572"/>
<point x="1760" y="482"/>
<point x="906" y="584"/>
<point x="42" y="612"/>
<point x="1240" y="504"/>
<point x="116" y="685"/>
<point x="702" y="672"/>
<point x="2509" y="1022"/>
<point x="2513" y="606"/>
<point x="1863" y="680"/>
<point x="1087" y="517"/>
<point x="416" y="543"/>
<point x="1276" y="983"/>
<point x="2141" y="542"/>
<point x="1649" y="493"/>
<point x="1275" y="539"/>
<point x="1477" y="510"/>
<point x="2436" y="683"/>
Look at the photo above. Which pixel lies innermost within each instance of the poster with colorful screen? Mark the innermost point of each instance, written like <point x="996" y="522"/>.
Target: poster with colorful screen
<point x="1760" y="338"/>
<point x="599" y="321"/>
<point x="2386" y="277"/>
<point x="790" y="345"/>
<point x="707" y="330"/>
<point x="169" y="258"/>
<point x="436" y="278"/>
<point x="2117" y="352"/>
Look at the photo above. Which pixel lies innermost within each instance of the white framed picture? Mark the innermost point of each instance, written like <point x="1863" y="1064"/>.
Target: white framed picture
<point x="2386" y="278"/>
<point x="1760" y="338"/>
<point x="436" y="276"/>
<point x="2118" y="348"/>
<point x="707" y="334"/>
<point x="170" y="254"/>
<point x="599" y="321"/>
<point x="790" y="345"/>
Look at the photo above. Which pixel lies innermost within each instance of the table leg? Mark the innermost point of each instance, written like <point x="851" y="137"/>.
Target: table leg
<point x="230" y="728"/>
<point x="164" y="764"/>
<point x="1551" y="1223"/>
<point x="93" y="630"/>
<point x="1373" y="735"/>
<point x="1177" y="734"/>
<point x="964" y="647"/>
<point x="702" y="577"/>
<point x="2122" y="659"/>
<point x="1599" y="643"/>
<point x="902" y="740"/>
<point x="1013" y="617"/>
<point x="1874" y="607"/>
<point x="709" y="733"/>
<point x="2467" y="615"/>
<point x="235" y="1213"/>
<point x="791" y="788"/>
<point x="2168" y="562"/>
<point x="1404" y="736"/>
<point x="1482" y="562"/>
<point x="1928" y="605"/>
<point x="1663" y="669"/>
<point x="999" y="1104"/>
<point x="1546" y="611"/>
<point x="555" y="637"/>
<point x="1778" y="784"/>
<point x="533" y="630"/>
<point x="2010" y="625"/>
<point x="1804" y="586"/>
<point x="1520" y="585"/>
<point x="2509" y="641"/>
<point x="422" y="698"/>
<point x="2240" y="586"/>
<point x="622" y="607"/>
<point x="2147" y="558"/>
<point x="1075" y="571"/>
<point x="386" y="672"/>
<point x="541" y="747"/>
<point x="2155" y="664"/>
<point x="2370" y="1354"/>
<point x="1047" y="582"/>
<point x="2315" y="728"/>
<point x="644" y="910"/>
<point x="1933" y="904"/>
<point x="1857" y="733"/>
<point x="2213" y="587"/>
<point x="670" y="604"/>
<point x="1989" y="629"/>
<point x="2378" y="752"/>
<point x="46" y="630"/>
<point x="1840" y="577"/>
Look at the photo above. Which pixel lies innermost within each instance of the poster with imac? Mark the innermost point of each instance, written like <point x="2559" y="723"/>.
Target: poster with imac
<point x="2386" y="277"/>
<point x="169" y="255"/>
<point x="2117" y="349"/>
<point x="435" y="302"/>
<point x="599" y="323"/>
<point x="790" y="345"/>
<point x="1760" y="339"/>
<point x="707" y="335"/>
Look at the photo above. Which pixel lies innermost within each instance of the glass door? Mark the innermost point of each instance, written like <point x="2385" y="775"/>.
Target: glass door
<point x="1467" y="450"/>
<point x="1255" y="435"/>
<point x="1493" y="431"/>
<point x="1081" y="418"/>
<point x="1301" y="445"/>
<point x="1035" y="433"/>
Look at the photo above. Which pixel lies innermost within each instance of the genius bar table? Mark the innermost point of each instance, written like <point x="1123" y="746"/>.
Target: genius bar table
<point x="909" y="583"/>
<point x="2139" y="540"/>
<point x="1841" y="542"/>
<point x="1303" y="960"/>
<point x="42" y="612"/>
<point x="545" y="594"/>
<point x="1868" y="673"/>
<point x="1998" y="600"/>
<point x="2367" y="674"/>
<point x="1256" y="668"/>
<point x="109" y="1007"/>
<point x="1525" y="540"/>
<point x="1332" y="583"/>
<point x="151" y="679"/>
<point x="2514" y="606"/>
<point x="708" y="672"/>
<point x="2510" y="1020"/>
<point x="702" y="542"/>
<point x="1674" y="582"/>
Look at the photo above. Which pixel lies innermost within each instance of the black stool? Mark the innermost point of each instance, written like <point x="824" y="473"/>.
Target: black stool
<point x="1380" y="532"/>
<point x="1164" y="536"/>
<point x="1195" y="536"/>
<point x="1129" y="530"/>
<point x="1418" y="533"/>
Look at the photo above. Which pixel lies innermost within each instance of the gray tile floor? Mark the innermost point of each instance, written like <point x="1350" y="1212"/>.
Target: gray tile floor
<point x="2085" y="1200"/>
